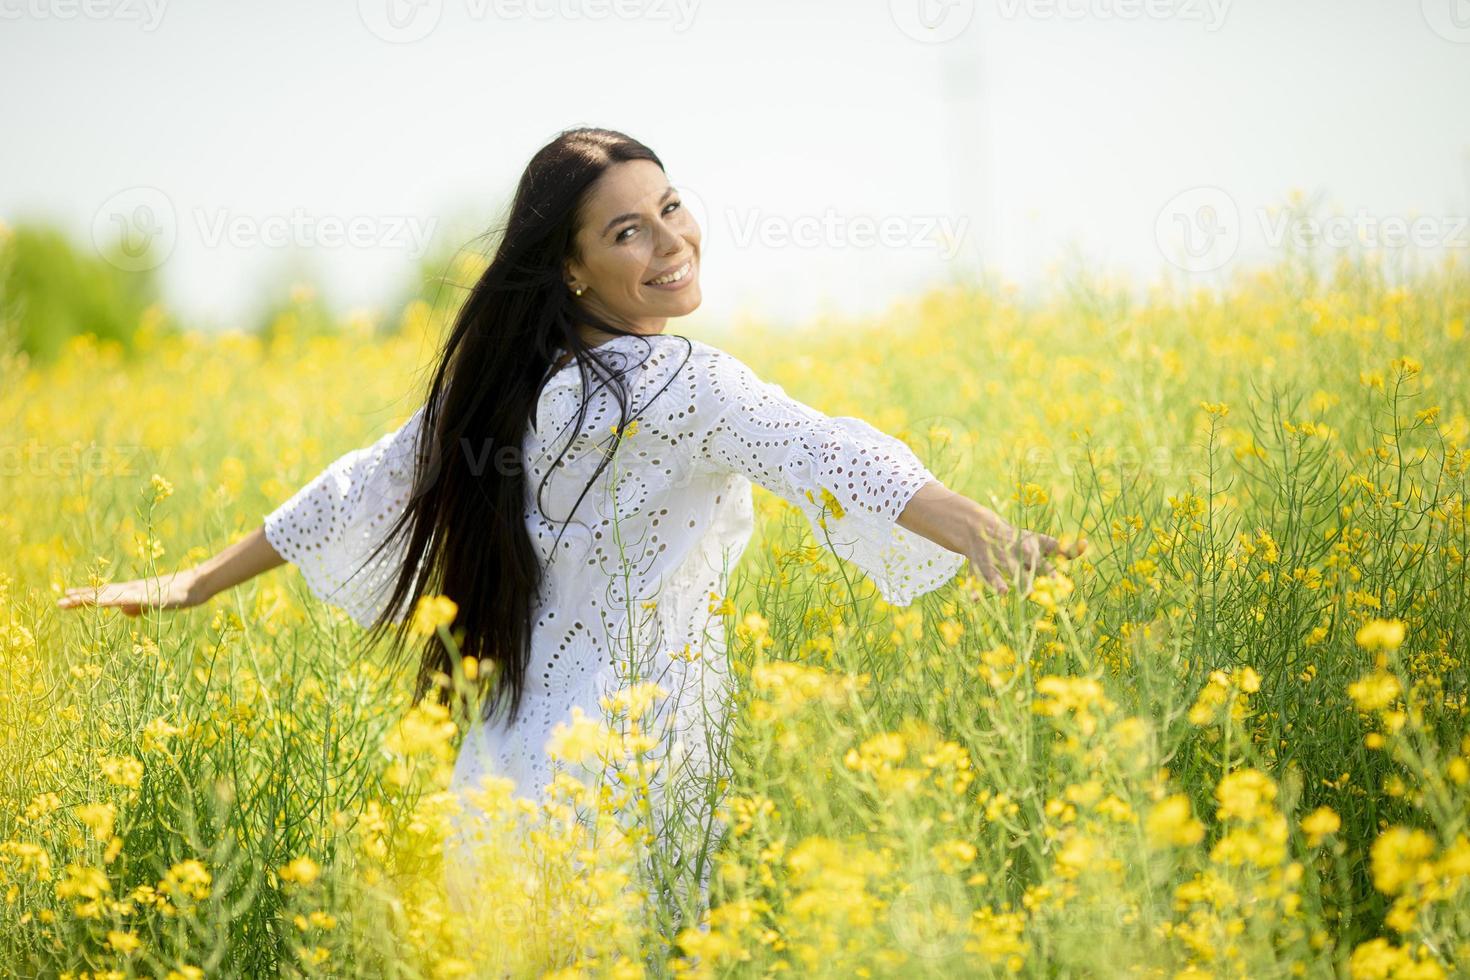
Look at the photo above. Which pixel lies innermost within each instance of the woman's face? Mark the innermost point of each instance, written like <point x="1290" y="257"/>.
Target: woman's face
<point x="636" y="231"/>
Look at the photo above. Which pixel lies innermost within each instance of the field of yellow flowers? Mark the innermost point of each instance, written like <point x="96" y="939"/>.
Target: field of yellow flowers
<point x="1228" y="741"/>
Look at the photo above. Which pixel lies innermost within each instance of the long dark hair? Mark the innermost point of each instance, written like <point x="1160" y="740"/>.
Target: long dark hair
<point x="466" y="532"/>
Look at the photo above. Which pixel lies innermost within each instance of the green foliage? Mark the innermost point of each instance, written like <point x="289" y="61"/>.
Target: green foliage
<point x="50" y="290"/>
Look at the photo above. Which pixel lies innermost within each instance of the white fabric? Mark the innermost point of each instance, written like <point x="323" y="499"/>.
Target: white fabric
<point x="707" y="428"/>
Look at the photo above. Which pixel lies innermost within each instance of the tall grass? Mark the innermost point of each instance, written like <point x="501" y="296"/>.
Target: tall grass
<point x="1230" y="740"/>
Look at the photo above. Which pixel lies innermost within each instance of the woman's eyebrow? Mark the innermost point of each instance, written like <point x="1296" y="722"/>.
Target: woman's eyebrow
<point x="624" y="217"/>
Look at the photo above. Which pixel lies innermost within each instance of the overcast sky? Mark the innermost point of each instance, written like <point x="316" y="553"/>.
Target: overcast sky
<point x="839" y="154"/>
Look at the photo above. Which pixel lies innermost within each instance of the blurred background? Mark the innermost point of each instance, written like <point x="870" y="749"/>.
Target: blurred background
<point x="207" y="165"/>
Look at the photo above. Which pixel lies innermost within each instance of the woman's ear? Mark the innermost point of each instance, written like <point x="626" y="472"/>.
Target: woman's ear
<point x="571" y="272"/>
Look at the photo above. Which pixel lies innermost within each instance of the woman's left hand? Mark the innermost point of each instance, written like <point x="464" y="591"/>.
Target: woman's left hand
<point x="1003" y="554"/>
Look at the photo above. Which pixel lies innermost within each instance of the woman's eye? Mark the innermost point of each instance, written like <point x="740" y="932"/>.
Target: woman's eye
<point x="619" y="236"/>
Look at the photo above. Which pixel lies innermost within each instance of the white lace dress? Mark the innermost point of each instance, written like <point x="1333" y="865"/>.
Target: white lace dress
<point x="626" y="596"/>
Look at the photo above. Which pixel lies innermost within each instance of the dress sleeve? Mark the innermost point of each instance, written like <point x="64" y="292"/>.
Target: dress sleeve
<point x="750" y="426"/>
<point x="329" y="527"/>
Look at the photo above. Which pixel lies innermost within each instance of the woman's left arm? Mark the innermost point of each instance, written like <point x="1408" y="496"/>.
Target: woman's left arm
<point x="998" y="551"/>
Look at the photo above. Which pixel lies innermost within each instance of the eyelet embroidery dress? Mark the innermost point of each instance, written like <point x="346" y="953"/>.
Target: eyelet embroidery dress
<point x="626" y="593"/>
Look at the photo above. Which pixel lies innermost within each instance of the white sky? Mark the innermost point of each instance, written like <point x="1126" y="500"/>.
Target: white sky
<point x="1042" y="129"/>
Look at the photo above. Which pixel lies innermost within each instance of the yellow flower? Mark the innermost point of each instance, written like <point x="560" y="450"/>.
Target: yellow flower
<point x="579" y="740"/>
<point x="1375" y="691"/>
<point x="1173" y="822"/>
<point x="431" y="612"/>
<point x="156" y="731"/>
<point x="635" y="699"/>
<point x="123" y="942"/>
<point x="122" y="771"/>
<point x="302" y="871"/>
<point x="1406" y="365"/>
<point x="1245" y="794"/>
<point x="161" y="488"/>
<point x="832" y="504"/>
<point x="99" y="818"/>
<point x="188" y="877"/>
<point x="1321" y="822"/>
<point x="1381" y="634"/>
<point x="1397" y="857"/>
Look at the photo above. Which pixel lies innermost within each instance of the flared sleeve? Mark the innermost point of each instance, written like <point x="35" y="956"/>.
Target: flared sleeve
<point x="750" y="426"/>
<point x="330" y="527"/>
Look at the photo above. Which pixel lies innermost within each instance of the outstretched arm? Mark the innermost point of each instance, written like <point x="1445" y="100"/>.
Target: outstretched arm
<point x="889" y="515"/>
<point x="998" y="551"/>
<point x="242" y="560"/>
<point x="327" y="529"/>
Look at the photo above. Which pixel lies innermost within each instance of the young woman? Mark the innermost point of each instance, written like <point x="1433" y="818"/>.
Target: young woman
<point x="581" y="549"/>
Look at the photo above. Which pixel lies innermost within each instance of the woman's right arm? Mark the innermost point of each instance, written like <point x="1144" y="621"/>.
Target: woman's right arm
<point x="328" y="529"/>
<point x="195" y="586"/>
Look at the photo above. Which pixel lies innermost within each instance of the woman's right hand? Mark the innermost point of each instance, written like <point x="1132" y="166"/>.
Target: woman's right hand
<point x="177" y="591"/>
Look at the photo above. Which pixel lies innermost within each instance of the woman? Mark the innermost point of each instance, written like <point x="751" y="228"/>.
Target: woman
<point x="581" y="548"/>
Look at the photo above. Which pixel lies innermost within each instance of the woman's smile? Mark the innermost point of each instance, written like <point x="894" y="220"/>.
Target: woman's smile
<point x="674" y="279"/>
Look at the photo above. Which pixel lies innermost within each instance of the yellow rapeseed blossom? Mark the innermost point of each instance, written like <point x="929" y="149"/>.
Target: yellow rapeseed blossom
<point x="431" y="612"/>
<point x="1321" y="822"/>
<point x="579" y="740"/>
<point x="189" y="878"/>
<point x="1381" y="634"/>
<point x="122" y="771"/>
<point x="633" y="701"/>
<point x="1171" y="822"/>
<point x="1400" y="856"/>
<point x="1079" y="697"/>
<point x="99" y="818"/>
<point x="302" y="871"/>
<point x="1246" y="794"/>
<point x="1374" y="692"/>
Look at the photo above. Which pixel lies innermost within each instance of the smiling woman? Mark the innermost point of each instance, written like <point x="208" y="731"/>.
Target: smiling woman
<point x="632" y="492"/>
<point x="639" y="266"/>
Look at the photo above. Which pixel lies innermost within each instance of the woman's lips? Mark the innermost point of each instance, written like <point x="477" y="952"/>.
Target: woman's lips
<point x="679" y="284"/>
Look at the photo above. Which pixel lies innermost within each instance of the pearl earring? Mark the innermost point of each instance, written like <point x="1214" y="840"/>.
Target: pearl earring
<point x="579" y="290"/>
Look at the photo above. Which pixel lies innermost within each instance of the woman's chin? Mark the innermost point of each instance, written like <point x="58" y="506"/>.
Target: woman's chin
<point x="685" y="301"/>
